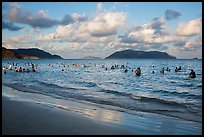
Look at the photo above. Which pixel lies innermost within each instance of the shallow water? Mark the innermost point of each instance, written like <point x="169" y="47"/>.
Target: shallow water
<point x="170" y="94"/>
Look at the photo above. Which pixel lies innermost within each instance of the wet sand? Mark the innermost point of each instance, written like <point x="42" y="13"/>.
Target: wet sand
<point x="24" y="114"/>
<point x="28" y="118"/>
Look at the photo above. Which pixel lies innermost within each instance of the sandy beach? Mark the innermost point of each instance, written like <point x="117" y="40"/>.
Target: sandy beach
<point x="34" y="114"/>
<point x="28" y="118"/>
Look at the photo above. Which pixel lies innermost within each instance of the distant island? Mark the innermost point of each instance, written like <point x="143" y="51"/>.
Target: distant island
<point x="31" y="53"/>
<point x="132" y="54"/>
<point x="91" y="57"/>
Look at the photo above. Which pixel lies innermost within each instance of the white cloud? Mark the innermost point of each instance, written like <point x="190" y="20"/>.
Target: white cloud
<point x="191" y="28"/>
<point x="42" y="13"/>
<point x="40" y="19"/>
<point x="8" y="46"/>
<point x="196" y="44"/>
<point x="106" y="23"/>
<point x="158" y="22"/>
<point x="45" y="38"/>
<point x="153" y="32"/>
<point x="20" y="39"/>
<point x="101" y="28"/>
<point x="99" y="6"/>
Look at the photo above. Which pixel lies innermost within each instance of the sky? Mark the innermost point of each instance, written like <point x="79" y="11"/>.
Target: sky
<point x="79" y="29"/>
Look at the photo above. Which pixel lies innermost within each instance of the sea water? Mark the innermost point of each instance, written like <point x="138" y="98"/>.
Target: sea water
<point x="171" y="94"/>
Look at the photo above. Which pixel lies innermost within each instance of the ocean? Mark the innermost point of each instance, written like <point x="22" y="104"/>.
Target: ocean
<point x="171" y="94"/>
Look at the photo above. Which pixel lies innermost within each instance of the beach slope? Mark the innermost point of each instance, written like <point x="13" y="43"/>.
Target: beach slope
<point x="21" y="117"/>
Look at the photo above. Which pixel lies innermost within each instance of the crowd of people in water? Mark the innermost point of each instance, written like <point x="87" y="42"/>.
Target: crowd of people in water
<point x="137" y="71"/>
<point x="13" y="66"/>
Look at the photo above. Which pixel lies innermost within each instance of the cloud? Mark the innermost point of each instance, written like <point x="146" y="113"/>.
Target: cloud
<point x="40" y="19"/>
<point x="68" y="19"/>
<point x="150" y="36"/>
<point x="8" y="46"/>
<point x="157" y="23"/>
<point x="126" y="39"/>
<point x="171" y="14"/>
<point x="10" y="26"/>
<point x="79" y="18"/>
<point x="179" y="43"/>
<point x="193" y="45"/>
<point x="191" y="28"/>
<point x="187" y="48"/>
<point x="20" y="39"/>
<point x="106" y="23"/>
<point x="99" y="6"/>
<point x="141" y="46"/>
<point x="100" y="28"/>
<point x="153" y="32"/>
<point x="72" y="33"/>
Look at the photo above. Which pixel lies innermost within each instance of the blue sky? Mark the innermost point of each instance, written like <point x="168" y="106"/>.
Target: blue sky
<point x="77" y="29"/>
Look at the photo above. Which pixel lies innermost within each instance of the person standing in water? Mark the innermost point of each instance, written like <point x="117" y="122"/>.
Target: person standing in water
<point x="138" y="71"/>
<point x="20" y="69"/>
<point x="192" y="74"/>
<point x="4" y="70"/>
<point x="33" y="67"/>
<point x="162" y="71"/>
<point x="10" y="67"/>
<point x="176" y="70"/>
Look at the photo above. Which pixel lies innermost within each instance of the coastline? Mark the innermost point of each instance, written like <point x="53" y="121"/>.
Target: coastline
<point x="24" y="113"/>
<point x="29" y="118"/>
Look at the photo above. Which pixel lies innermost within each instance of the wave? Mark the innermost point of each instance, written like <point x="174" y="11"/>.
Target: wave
<point x="148" y="99"/>
<point x="199" y="86"/>
<point x="180" y="94"/>
<point x="50" y="85"/>
<point x="114" y="92"/>
<point x="156" y="100"/>
<point x="137" y="103"/>
<point x="84" y="83"/>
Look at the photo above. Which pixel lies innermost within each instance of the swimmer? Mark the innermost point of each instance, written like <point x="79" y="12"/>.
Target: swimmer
<point x="27" y="70"/>
<point x="176" y="70"/>
<point x="10" y="67"/>
<point x="4" y="70"/>
<point x="138" y="71"/>
<point x="16" y="69"/>
<point x="20" y="69"/>
<point x="112" y="67"/>
<point x="162" y="71"/>
<point x="192" y="74"/>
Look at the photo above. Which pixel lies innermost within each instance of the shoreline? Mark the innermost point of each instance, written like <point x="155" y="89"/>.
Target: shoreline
<point x="41" y="114"/>
<point x="26" y="118"/>
<point x="29" y="118"/>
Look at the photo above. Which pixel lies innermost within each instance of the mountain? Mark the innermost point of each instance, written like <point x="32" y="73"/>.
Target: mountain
<point x="91" y="57"/>
<point x="36" y="52"/>
<point x="132" y="54"/>
<point x="9" y="54"/>
<point x="32" y="53"/>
